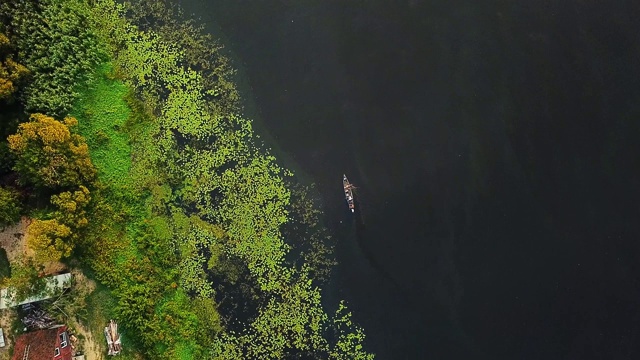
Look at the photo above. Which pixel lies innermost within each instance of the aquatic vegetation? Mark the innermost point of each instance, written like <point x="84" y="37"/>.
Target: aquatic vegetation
<point x="252" y="192"/>
<point x="315" y="253"/>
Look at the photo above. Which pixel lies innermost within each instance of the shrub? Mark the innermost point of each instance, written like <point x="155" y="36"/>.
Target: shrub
<point x="10" y="207"/>
<point x="5" y="269"/>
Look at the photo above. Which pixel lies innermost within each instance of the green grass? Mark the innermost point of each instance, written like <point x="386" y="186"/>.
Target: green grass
<point x="99" y="306"/>
<point x="102" y="112"/>
<point x="185" y="351"/>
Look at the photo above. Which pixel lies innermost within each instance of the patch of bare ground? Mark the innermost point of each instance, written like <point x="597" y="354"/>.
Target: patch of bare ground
<point x="12" y="239"/>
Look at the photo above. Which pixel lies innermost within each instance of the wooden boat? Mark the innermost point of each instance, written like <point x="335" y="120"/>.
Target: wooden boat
<point x="348" y="192"/>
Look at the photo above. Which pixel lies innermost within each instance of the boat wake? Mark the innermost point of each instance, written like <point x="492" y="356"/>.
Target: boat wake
<point x="359" y="232"/>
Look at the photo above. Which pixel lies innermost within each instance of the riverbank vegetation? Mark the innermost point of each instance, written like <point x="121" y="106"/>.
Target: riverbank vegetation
<point x="133" y="157"/>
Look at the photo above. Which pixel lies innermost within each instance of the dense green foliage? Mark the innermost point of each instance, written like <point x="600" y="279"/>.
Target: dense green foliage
<point x="54" y="42"/>
<point x="210" y="153"/>
<point x="9" y="120"/>
<point x="103" y="115"/>
<point x="55" y="238"/>
<point x="26" y="279"/>
<point x="49" y="239"/>
<point x="129" y="245"/>
<point x="182" y="217"/>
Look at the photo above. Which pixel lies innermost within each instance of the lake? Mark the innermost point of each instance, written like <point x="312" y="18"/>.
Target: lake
<point x="495" y="149"/>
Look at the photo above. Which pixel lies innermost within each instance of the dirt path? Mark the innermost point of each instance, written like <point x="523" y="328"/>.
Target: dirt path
<point x="89" y="346"/>
<point x="13" y="237"/>
<point x="92" y="345"/>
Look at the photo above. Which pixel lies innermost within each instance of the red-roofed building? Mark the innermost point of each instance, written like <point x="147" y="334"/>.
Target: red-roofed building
<point x="46" y="344"/>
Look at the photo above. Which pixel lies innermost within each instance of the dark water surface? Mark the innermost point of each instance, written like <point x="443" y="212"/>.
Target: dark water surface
<point x="495" y="146"/>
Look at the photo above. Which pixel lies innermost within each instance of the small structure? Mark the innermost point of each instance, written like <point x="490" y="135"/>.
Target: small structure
<point x="113" y="338"/>
<point x="36" y="318"/>
<point x="43" y="344"/>
<point x="55" y="285"/>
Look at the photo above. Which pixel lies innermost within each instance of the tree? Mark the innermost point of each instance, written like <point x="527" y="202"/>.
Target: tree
<point x="10" y="71"/>
<point x="54" y="239"/>
<point x="9" y="207"/>
<point x="50" y="155"/>
<point x="72" y="208"/>
<point x="49" y="239"/>
<point x="25" y="278"/>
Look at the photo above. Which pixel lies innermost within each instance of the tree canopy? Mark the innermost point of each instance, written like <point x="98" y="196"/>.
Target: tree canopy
<point x="49" y="239"/>
<point x="50" y="155"/>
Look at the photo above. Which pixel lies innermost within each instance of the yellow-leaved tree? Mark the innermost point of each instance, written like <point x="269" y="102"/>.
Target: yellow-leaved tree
<point x="50" y="155"/>
<point x="56" y="238"/>
<point x="49" y="239"/>
<point x="10" y="71"/>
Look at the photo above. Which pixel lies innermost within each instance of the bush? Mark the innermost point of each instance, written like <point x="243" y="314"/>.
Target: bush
<point x="5" y="269"/>
<point x="10" y="208"/>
